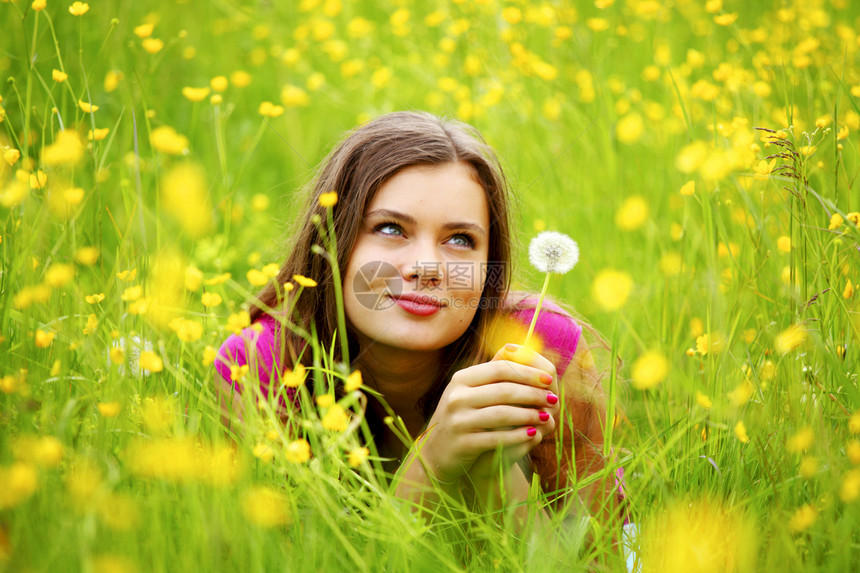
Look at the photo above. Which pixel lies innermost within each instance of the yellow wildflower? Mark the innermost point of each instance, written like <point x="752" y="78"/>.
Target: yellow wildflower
<point x="801" y="441"/>
<point x="784" y="244"/>
<point x="649" y="370"/>
<point x="803" y="518"/>
<point x="94" y="298"/>
<point x="849" y="290"/>
<point x="298" y="451"/>
<point x="210" y="299"/>
<point x="335" y="419"/>
<point x="79" y="8"/>
<point x="38" y="5"/>
<point x="294" y="96"/>
<point x="836" y="221"/>
<point x="144" y="30"/>
<point x="630" y="128"/>
<point x="20" y="481"/>
<point x="703" y="401"/>
<point x="295" y="377"/>
<point x="195" y="94"/>
<point x="98" y="133"/>
<point x="741" y="393"/>
<point x="632" y="214"/>
<point x="268" y="109"/>
<point x="44" y="339"/>
<point x="265" y="507"/>
<point x="109" y="409"/>
<point x="92" y="324"/>
<point x="236" y="322"/>
<point x="59" y="274"/>
<point x="741" y="432"/>
<point x="328" y="199"/>
<point x="11" y="156"/>
<point x="357" y="456"/>
<point x="151" y="361"/>
<point x="304" y="281"/>
<point x="353" y="381"/>
<point x="166" y="140"/>
<point x="611" y="288"/>
<point x="790" y="338"/>
<point x="726" y="19"/>
<point x="87" y="255"/>
<point x="324" y="400"/>
<point x="689" y="188"/>
<point x="850" y="489"/>
<point x="59" y="76"/>
<point x="257" y="277"/>
<point x="87" y="107"/>
<point x="152" y="45"/>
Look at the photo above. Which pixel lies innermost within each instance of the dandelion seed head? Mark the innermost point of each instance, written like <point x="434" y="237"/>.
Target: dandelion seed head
<point x="552" y="252"/>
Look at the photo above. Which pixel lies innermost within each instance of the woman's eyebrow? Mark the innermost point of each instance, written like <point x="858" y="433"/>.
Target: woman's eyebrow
<point x="455" y="225"/>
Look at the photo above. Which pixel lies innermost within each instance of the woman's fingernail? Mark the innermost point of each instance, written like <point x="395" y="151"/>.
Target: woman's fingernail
<point x="545" y="378"/>
<point x="551" y="398"/>
<point x="531" y="432"/>
<point x="510" y="347"/>
<point x="544" y="416"/>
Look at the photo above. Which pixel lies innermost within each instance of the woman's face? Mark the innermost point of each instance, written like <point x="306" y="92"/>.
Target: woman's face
<point x="416" y="273"/>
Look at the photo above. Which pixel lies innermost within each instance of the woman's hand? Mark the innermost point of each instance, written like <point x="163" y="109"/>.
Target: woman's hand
<point x="506" y="405"/>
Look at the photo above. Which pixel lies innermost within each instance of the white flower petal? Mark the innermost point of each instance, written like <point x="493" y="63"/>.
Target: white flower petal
<point x="552" y="252"/>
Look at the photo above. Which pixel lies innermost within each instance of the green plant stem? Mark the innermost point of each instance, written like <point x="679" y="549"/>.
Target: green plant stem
<point x="537" y="309"/>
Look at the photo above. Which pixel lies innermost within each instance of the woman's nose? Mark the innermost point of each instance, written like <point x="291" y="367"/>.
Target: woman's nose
<point x="424" y="264"/>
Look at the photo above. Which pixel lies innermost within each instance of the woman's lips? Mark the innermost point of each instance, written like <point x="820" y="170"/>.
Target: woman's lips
<point x="420" y="305"/>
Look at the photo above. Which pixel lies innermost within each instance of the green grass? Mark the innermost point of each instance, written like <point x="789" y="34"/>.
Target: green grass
<point x="558" y="97"/>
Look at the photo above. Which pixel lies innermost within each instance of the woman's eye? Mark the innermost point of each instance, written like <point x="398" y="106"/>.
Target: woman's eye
<point x="463" y="240"/>
<point x="388" y="229"/>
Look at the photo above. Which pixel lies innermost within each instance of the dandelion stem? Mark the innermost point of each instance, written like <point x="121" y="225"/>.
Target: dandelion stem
<point x="537" y="309"/>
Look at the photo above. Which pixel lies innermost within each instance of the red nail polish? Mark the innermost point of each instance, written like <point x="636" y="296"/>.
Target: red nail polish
<point x="545" y="378"/>
<point x="531" y="432"/>
<point x="544" y="416"/>
<point x="551" y="398"/>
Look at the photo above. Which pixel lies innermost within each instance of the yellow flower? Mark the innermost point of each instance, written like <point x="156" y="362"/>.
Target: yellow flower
<point x="87" y="255"/>
<point x="240" y="79"/>
<point x="144" y="30"/>
<point x="195" y="94"/>
<point x="328" y="199"/>
<point x="132" y="293"/>
<point x="79" y="8"/>
<point x="741" y="394"/>
<point x="44" y="339"/>
<point x="790" y="338"/>
<point x="238" y="373"/>
<point x="808" y="467"/>
<point x="268" y="109"/>
<point x="59" y="76"/>
<point x="112" y="79"/>
<point x="20" y="481"/>
<point x="265" y="507"/>
<point x="257" y="277"/>
<point x="294" y="96"/>
<point x="324" y="400"/>
<point x="335" y="419"/>
<point x="709" y="342"/>
<point x="152" y="45"/>
<point x="127" y="275"/>
<point x="193" y="278"/>
<point x="850" y="489"/>
<point x="210" y="299"/>
<point x="11" y="156"/>
<point x="801" y="441"/>
<point x="353" y="381"/>
<point x="95" y="298"/>
<point x="784" y="244"/>
<point x="209" y="355"/>
<point x="151" y="361"/>
<point x="836" y="221"/>
<point x="186" y="330"/>
<point x="109" y="409"/>
<point x="630" y="128"/>
<point x="166" y="140"/>
<point x="59" y="274"/>
<point x="357" y="456"/>
<point x="726" y="19"/>
<point x="38" y="180"/>
<point x="98" y="133"/>
<point x="117" y="355"/>
<point x="803" y="518"/>
<point x="298" y="451"/>
<point x="649" y="370"/>
<point x="632" y="214"/>
<point x="87" y="107"/>
<point x="295" y="377"/>
<point x="263" y="452"/>
<point x="611" y="289"/>
<point x="849" y="290"/>
<point x="92" y="324"/>
<point x="304" y="281"/>
<point x="689" y="188"/>
<point x="236" y="322"/>
<point x="741" y="432"/>
<point x="219" y="83"/>
<point x="66" y="149"/>
<point x="854" y="423"/>
<point x="703" y="401"/>
<point x="38" y="5"/>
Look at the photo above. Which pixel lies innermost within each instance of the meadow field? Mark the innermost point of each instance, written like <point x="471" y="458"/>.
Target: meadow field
<point x="153" y="157"/>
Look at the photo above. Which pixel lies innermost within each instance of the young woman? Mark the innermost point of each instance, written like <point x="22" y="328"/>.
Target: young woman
<point x="424" y="245"/>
